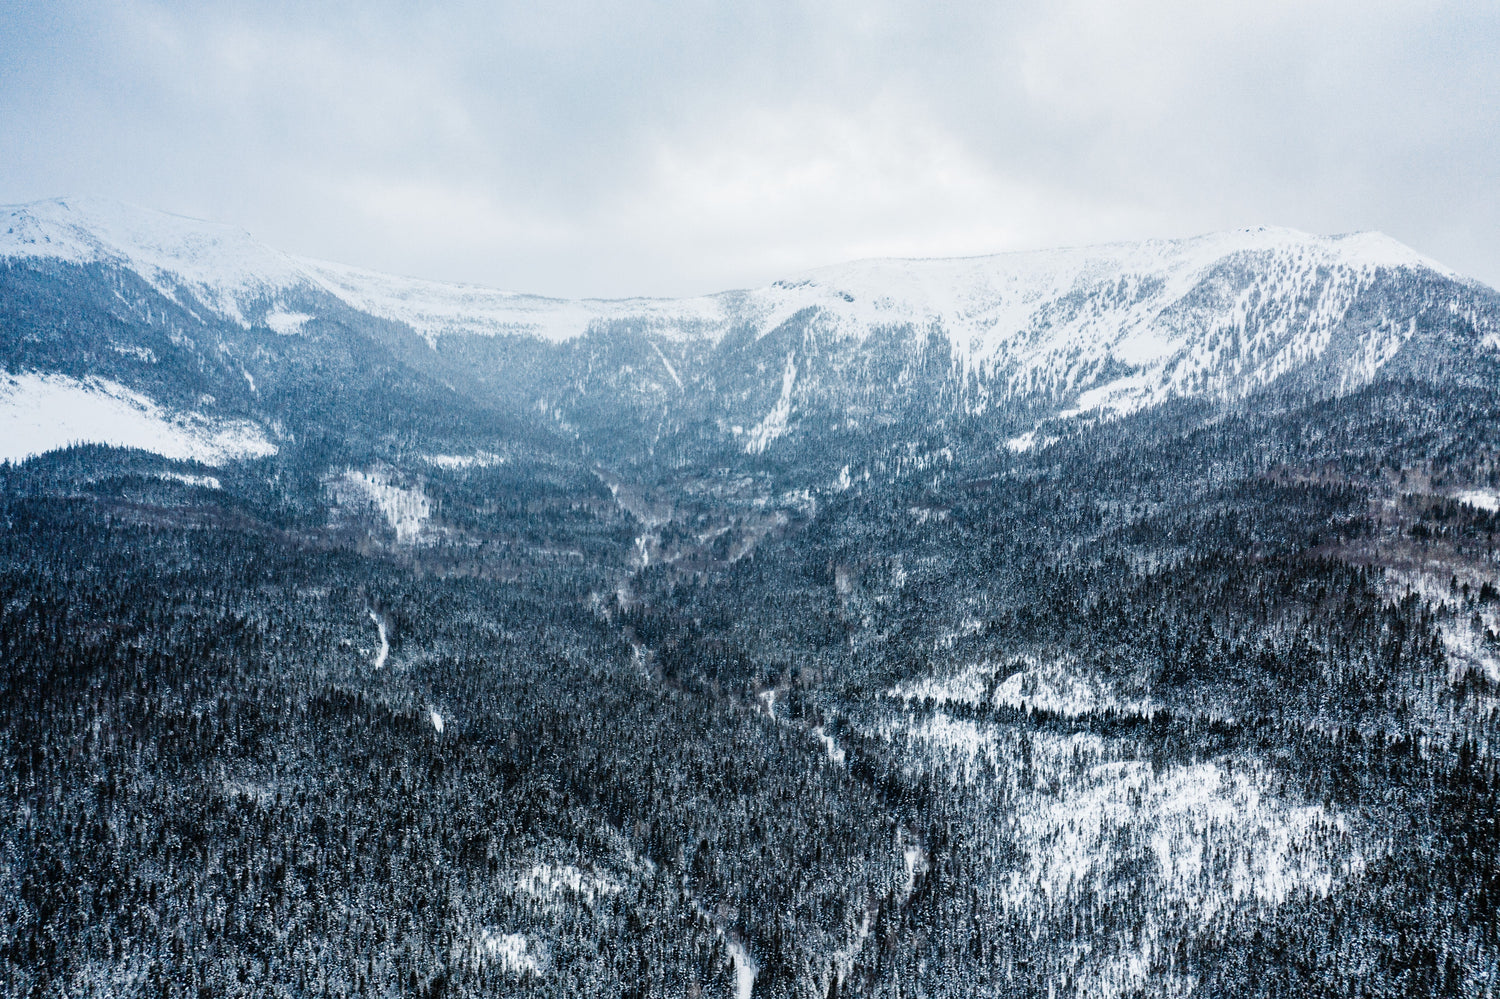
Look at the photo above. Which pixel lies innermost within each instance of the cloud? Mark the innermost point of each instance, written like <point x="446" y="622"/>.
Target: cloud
<point x="671" y="147"/>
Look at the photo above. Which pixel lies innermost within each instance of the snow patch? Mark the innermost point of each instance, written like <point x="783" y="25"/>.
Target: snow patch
<point x="774" y="425"/>
<point x="1480" y="499"/>
<point x="1060" y="688"/>
<point x="1025" y="442"/>
<point x="1465" y="645"/>
<point x="455" y="462"/>
<point x="666" y="363"/>
<point x="745" y="968"/>
<point x="287" y="323"/>
<point x="1057" y="685"/>
<point x="768" y="699"/>
<point x="835" y="752"/>
<point x="406" y="510"/>
<point x="1194" y="838"/>
<point x="385" y="645"/>
<point x="436" y="719"/>
<point x="514" y="952"/>
<point x="44" y="412"/>
<point x="547" y="881"/>
<point x="201" y="481"/>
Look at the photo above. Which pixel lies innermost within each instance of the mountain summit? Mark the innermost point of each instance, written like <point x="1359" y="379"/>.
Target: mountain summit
<point x="1060" y="333"/>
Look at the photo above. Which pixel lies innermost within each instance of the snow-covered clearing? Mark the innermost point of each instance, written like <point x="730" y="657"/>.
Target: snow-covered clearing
<point x="287" y="323"/>
<point x="201" y="481"/>
<point x="44" y="412"/>
<point x="1466" y="647"/>
<point x="436" y="719"/>
<point x="1482" y="499"/>
<point x="1192" y="842"/>
<point x="514" y="952"/>
<point x="549" y="882"/>
<point x="1059" y="685"/>
<point x="745" y="968"/>
<point x="1062" y="688"/>
<point x="767" y="698"/>
<point x="1461" y="625"/>
<point x="835" y="752"/>
<point x="775" y="422"/>
<point x="454" y="462"/>
<point x="385" y="645"/>
<point x="406" y="510"/>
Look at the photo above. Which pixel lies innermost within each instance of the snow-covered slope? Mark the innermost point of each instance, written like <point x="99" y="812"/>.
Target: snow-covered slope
<point x="40" y="413"/>
<point x="1112" y="328"/>
<point x="1167" y="314"/>
<point x="225" y="269"/>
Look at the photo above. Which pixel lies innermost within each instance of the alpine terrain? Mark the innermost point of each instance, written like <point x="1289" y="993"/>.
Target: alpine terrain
<point x="1099" y="622"/>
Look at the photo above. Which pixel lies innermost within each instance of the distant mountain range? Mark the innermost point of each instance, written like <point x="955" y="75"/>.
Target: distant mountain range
<point x="1024" y="338"/>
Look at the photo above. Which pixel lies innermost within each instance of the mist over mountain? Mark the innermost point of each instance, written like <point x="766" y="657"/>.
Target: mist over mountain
<point x="1103" y="621"/>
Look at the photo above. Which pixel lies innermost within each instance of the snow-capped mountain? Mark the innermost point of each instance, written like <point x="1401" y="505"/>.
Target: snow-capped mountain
<point x="1113" y="621"/>
<point x="1106" y="329"/>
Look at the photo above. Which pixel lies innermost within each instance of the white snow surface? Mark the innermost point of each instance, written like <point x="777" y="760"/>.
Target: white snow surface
<point x="1119" y="326"/>
<point x="1190" y="843"/>
<point x="201" y="481"/>
<point x="1060" y="685"/>
<point x="44" y="412"/>
<point x="745" y="968"/>
<point x="456" y="462"/>
<point x="1481" y="499"/>
<point x="287" y="323"/>
<point x="385" y="645"/>
<point x="406" y="510"/>
<point x="514" y="952"/>
<point x="775" y="422"/>
<point x="830" y="745"/>
<point x="548" y="881"/>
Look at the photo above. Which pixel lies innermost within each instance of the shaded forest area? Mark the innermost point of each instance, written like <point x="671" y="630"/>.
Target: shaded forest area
<point x="1171" y="704"/>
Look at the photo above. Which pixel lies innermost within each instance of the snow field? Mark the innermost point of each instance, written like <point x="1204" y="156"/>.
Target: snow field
<point x="516" y="953"/>
<point x="45" y="412"/>
<point x="406" y="510"/>
<point x="1188" y="844"/>
<point x="1059" y="686"/>
<point x="549" y="882"/>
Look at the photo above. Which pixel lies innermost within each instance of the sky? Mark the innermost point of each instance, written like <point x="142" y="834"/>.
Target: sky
<point x="678" y="147"/>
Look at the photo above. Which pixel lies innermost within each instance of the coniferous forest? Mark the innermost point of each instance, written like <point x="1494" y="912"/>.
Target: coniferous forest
<point x="453" y="694"/>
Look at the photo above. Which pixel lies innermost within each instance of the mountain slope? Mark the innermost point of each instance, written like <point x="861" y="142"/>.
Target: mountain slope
<point x="400" y="639"/>
<point x="1025" y="336"/>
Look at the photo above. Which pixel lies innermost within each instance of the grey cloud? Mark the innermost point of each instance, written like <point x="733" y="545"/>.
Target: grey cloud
<point x="589" y="148"/>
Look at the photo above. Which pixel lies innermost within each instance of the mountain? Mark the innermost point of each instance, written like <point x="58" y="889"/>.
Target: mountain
<point x="1098" y="330"/>
<point x="1101" y="622"/>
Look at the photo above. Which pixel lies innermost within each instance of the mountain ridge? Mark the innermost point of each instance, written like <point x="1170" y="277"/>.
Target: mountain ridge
<point x="1082" y="331"/>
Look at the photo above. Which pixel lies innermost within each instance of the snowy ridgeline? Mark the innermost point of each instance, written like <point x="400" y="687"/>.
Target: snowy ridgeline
<point x="44" y="412"/>
<point x="1190" y="844"/>
<point x="1219" y="314"/>
<point x="405" y="510"/>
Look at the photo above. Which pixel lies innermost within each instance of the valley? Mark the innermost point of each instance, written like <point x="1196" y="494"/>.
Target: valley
<point x="1105" y="622"/>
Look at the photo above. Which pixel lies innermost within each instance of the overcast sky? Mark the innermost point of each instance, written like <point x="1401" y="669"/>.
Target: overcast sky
<point x="579" y="148"/>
